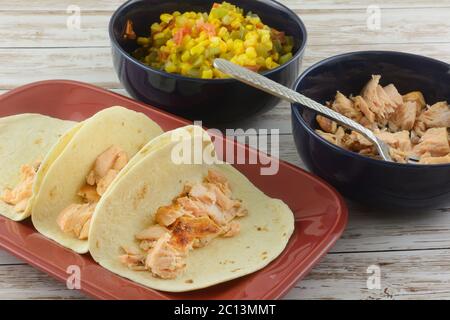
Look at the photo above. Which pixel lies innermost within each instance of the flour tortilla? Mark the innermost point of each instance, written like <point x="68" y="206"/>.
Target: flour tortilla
<point x="25" y="139"/>
<point x="154" y="181"/>
<point x="118" y="126"/>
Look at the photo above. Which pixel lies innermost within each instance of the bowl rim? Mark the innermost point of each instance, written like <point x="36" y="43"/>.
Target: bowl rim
<point x="299" y="118"/>
<point x="266" y="73"/>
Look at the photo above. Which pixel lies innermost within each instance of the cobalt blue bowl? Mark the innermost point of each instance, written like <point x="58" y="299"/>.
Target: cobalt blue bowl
<point x="375" y="182"/>
<point x="213" y="101"/>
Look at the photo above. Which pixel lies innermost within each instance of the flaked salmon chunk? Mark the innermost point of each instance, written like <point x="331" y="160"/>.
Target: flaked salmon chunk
<point x="434" y="142"/>
<point x="21" y="194"/>
<point x="203" y="211"/>
<point x="393" y="94"/>
<point x="165" y="260"/>
<point x="428" y="159"/>
<point x="436" y="116"/>
<point x="377" y="99"/>
<point x="75" y="219"/>
<point x="362" y="105"/>
<point x="417" y="97"/>
<point x="345" y="106"/>
<point x="404" y="117"/>
<point x="326" y="124"/>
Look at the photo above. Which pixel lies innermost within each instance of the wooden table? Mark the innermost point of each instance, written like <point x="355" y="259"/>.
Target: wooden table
<point x="412" y="249"/>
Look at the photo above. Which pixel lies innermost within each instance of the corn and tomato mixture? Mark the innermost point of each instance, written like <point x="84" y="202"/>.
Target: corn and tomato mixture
<point x="187" y="43"/>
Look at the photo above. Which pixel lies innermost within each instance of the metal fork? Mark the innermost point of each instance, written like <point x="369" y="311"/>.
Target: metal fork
<point x="260" y="82"/>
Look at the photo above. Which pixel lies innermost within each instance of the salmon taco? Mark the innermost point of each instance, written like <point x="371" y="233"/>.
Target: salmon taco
<point x="178" y="225"/>
<point x="28" y="146"/>
<point x="88" y="165"/>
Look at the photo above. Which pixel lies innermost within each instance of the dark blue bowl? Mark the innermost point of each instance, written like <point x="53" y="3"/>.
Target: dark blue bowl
<point x="367" y="180"/>
<point x="213" y="101"/>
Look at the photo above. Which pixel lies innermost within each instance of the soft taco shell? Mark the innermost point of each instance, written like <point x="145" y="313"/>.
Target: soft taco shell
<point x="25" y="139"/>
<point x="129" y="205"/>
<point x="118" y="126"/>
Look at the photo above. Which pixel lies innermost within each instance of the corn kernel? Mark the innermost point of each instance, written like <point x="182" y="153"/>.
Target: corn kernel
<point x="170" y="67"/>
<point x="207" y="74"/>
<point x="197" y="50"/>
<point x="185" y="56"/>
<point x="251" y="53"/>
<point x="165" y="17"/>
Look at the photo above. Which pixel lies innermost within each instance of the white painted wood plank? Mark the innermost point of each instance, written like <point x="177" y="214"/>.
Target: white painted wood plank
<point x="108" y="5"/>
<point x="423" y="274"/>
<point x="7" y="258"/>
<point x="325" y="27"/>
<point x="94" y="65"/>
<point x="25" y="282"/>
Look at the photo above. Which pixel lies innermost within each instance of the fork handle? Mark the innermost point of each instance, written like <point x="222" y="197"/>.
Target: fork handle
<point x="260" y="82"/>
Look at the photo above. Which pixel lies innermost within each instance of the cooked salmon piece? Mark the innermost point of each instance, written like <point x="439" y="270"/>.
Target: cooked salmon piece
<point x="345" y="106"/>
<point x="202" y="193"/>
<point x="326" y="124"/>
<point x="187" y="229"/>
<point x="404" y="117"/>
<point x="335" y="138"/>
<point x="21" y="194"/>
<point x="165" y="260"/>
<point x="436" y="116"/>
<point x="387" y="103"/>
<point x="201" y="212"/>
<point x="434" y="142"/>
<point x="152" y="233"/>
<point x="362" y="105"/>
<point x="75" y="219"/>
<point x="89" y="193"/>
<point x="399" y="143"/>
<point x="167" y="215"/>
<point x="84" y="233"/>
<point x="378" y="100"/>
<point x="133" y="259"/>
<point x="428" y="159"/>
<point x="220" y="180"/>
<point x="112" y="158"/>
<point x="222" y="200"/>
<point x="330" y="137"/>
<point x="356" y="142"/>
<point x="393" y="94"/>
<point x="104" y="182"/>
<point x="417" y="97"/>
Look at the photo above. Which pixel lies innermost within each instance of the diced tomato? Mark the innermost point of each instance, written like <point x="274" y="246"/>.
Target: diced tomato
<point x="163" y="55"/>
<point x="278" y="35"/>
<point x="215" y="5"/>
<point x="209" y="28"/>
<point x="178" y="37"/>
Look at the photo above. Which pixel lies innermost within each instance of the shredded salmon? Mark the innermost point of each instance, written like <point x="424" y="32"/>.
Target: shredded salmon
<point x="20" y="195"/>
<point x="406" y="123"/>
<point x="202" y="212"/>
<point x="75" y="219"/>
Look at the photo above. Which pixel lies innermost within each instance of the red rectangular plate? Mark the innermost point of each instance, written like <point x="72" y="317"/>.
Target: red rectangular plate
<point x="320" y="213"/>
